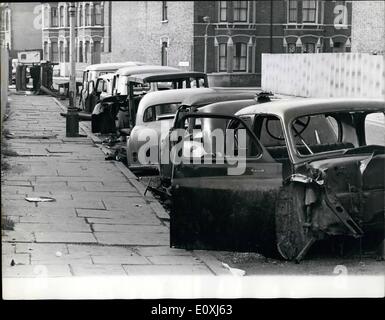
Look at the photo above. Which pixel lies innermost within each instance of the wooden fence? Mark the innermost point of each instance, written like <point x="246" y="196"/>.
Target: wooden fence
<point x="324" y="74"/>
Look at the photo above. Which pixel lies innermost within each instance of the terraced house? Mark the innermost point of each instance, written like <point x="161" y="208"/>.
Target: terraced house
<point x="92" y="33"/>
<point x="175" y="33"/>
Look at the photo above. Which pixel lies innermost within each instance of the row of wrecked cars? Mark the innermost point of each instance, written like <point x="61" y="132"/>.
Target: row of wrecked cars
<point x="247" y="171"/>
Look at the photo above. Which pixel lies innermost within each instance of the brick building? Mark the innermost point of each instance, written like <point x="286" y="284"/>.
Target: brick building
<point x="238" y="32"/>
<point x="20" y="26"/>
<point x="92" y="33"/>
<point x="368" y="26"/>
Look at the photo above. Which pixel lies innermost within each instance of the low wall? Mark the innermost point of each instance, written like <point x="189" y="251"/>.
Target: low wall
<point x="324" y="74"/>
<point x="234" y="79"/>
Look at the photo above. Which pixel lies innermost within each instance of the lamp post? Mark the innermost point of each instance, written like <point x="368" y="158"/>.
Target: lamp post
<point x="72" y="118"/>
<point x="207" y="20"/>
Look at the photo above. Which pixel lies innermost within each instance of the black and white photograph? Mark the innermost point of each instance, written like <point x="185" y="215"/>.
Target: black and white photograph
<point x="192" y="150"/>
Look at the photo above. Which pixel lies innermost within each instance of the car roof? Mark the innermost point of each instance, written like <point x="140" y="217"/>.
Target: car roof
<point x="112" y="66"/>
<point x="293" y="108"/>
<point x="106" y="76"/>
<point x="227" y="107"/>
<point x="152" y="77"/>
<point x="171" y="95"/>
<point x="144" y="69"/>
<point x="218" y="96"/>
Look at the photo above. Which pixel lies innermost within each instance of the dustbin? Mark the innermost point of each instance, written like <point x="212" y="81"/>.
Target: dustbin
<point x="21" y="77"/>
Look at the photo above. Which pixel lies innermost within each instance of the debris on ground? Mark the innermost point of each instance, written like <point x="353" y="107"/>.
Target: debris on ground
<point x="40" y="199"/>
<point x="234" y="271"/>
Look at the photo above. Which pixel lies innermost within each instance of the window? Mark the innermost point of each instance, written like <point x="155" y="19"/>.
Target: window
<point x="54" y="49"/>
<point x="61" y="51"/>
<point x="222" y="57"/>
<point x="87" y="52"/>
<point x="338" y="47"/>
<point x="239" y="57"/>
<point x="309" y="10"/>
<point x="46" y="17"/>
<point x="67" y="54"/>
<point x="292" y="11"/>
<point x="6" y="21"/>
<point x="68" y="16"/>
<point x="164" y="53"/>
<point x="240" y="11"/>
<point x="45" y="50"/>
<point x="61" y="17"/>
<point x="164" y="10"/>
<point x="80" y="15"/>
<point x="291" y="47"/>
<point x="54" y="17"/>
<point x="88" y="15"/>
<point x="308" y="48"/>
<point x="80" y="51"/>
<point x="152" y="113"/>
<point x="96" y="52"/>
<point x="223" y="11"/>
<point x="98" y="14"/>
<point x="374" y="128"/>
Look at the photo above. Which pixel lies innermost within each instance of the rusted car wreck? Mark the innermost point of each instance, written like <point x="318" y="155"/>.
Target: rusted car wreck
<point x="311" y="173"/>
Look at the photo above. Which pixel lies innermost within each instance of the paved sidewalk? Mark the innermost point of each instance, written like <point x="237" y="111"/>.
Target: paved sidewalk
<point x="100" y="223"/>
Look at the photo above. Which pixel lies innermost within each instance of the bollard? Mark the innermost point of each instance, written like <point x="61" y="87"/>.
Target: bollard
<point x="72" y="123"/>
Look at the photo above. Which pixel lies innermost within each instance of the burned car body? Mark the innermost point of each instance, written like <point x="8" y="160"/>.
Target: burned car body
<point x="92" y="73"/>
<point x="309" y="175"/>
<point x="222" y="101"/>
<point x="154" y="117"/>
<point x="104" y="113"/>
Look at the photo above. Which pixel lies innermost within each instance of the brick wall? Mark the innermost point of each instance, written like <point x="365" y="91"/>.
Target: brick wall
<point x="137" y="31"/>
<point x="368" y="26"/>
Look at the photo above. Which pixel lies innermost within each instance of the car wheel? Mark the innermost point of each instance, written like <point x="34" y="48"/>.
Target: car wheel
<point x="293" y="238"/>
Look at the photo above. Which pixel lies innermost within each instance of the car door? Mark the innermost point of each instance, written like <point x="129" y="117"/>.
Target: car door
<point x="225" y="205"/>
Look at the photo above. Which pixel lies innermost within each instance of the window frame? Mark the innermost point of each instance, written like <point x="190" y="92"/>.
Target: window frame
<point x="290" y="10"/>
<point x="239" y="9"/>
<point x="54" y="17"/>
<point x="164" y="11"/>
<point x="222" y="9"/>
<point x="87" y="15"/>
<point x="222" y="45"/>
<point x="309" y="10"/>
<point x="61" y="16"/>
<point x="237" y="60"/>
<point x="98" y="14"/>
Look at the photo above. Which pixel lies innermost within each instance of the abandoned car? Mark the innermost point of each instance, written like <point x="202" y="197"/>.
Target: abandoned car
<point x="123" y="107"/>
<point x="92" y="73"/>
<point x="313" y="169"/>
<point x="218" y="101"/>
<point x="154" y="117"/>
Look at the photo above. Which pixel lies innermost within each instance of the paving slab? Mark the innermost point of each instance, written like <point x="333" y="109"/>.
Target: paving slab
<point x="133" y="220"/>
<point x="67" y="237"/>
<point x="56" y="226"/>
<point x="129" y="228"/>
<point x="100" y="250"/>
<point x="169" y="270"/>
<point x="15" y="258"/>
<point x="174" y="260"/>
<point x="129" y="260"/>
<point x="33" y="271"/>
<point x="46" y="259"/>
<point x="132" y="238"/>
<point x="161" y="251"/>
<point x="98" y="270"/>
<point x="41" y="248"/>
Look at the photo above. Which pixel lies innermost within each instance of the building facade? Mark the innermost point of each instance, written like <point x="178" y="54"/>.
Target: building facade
<point x="368" y="27"/>
<point x="92" y="33"/>
<point x="20" y="26"/>
<point x="238" y="32"/>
